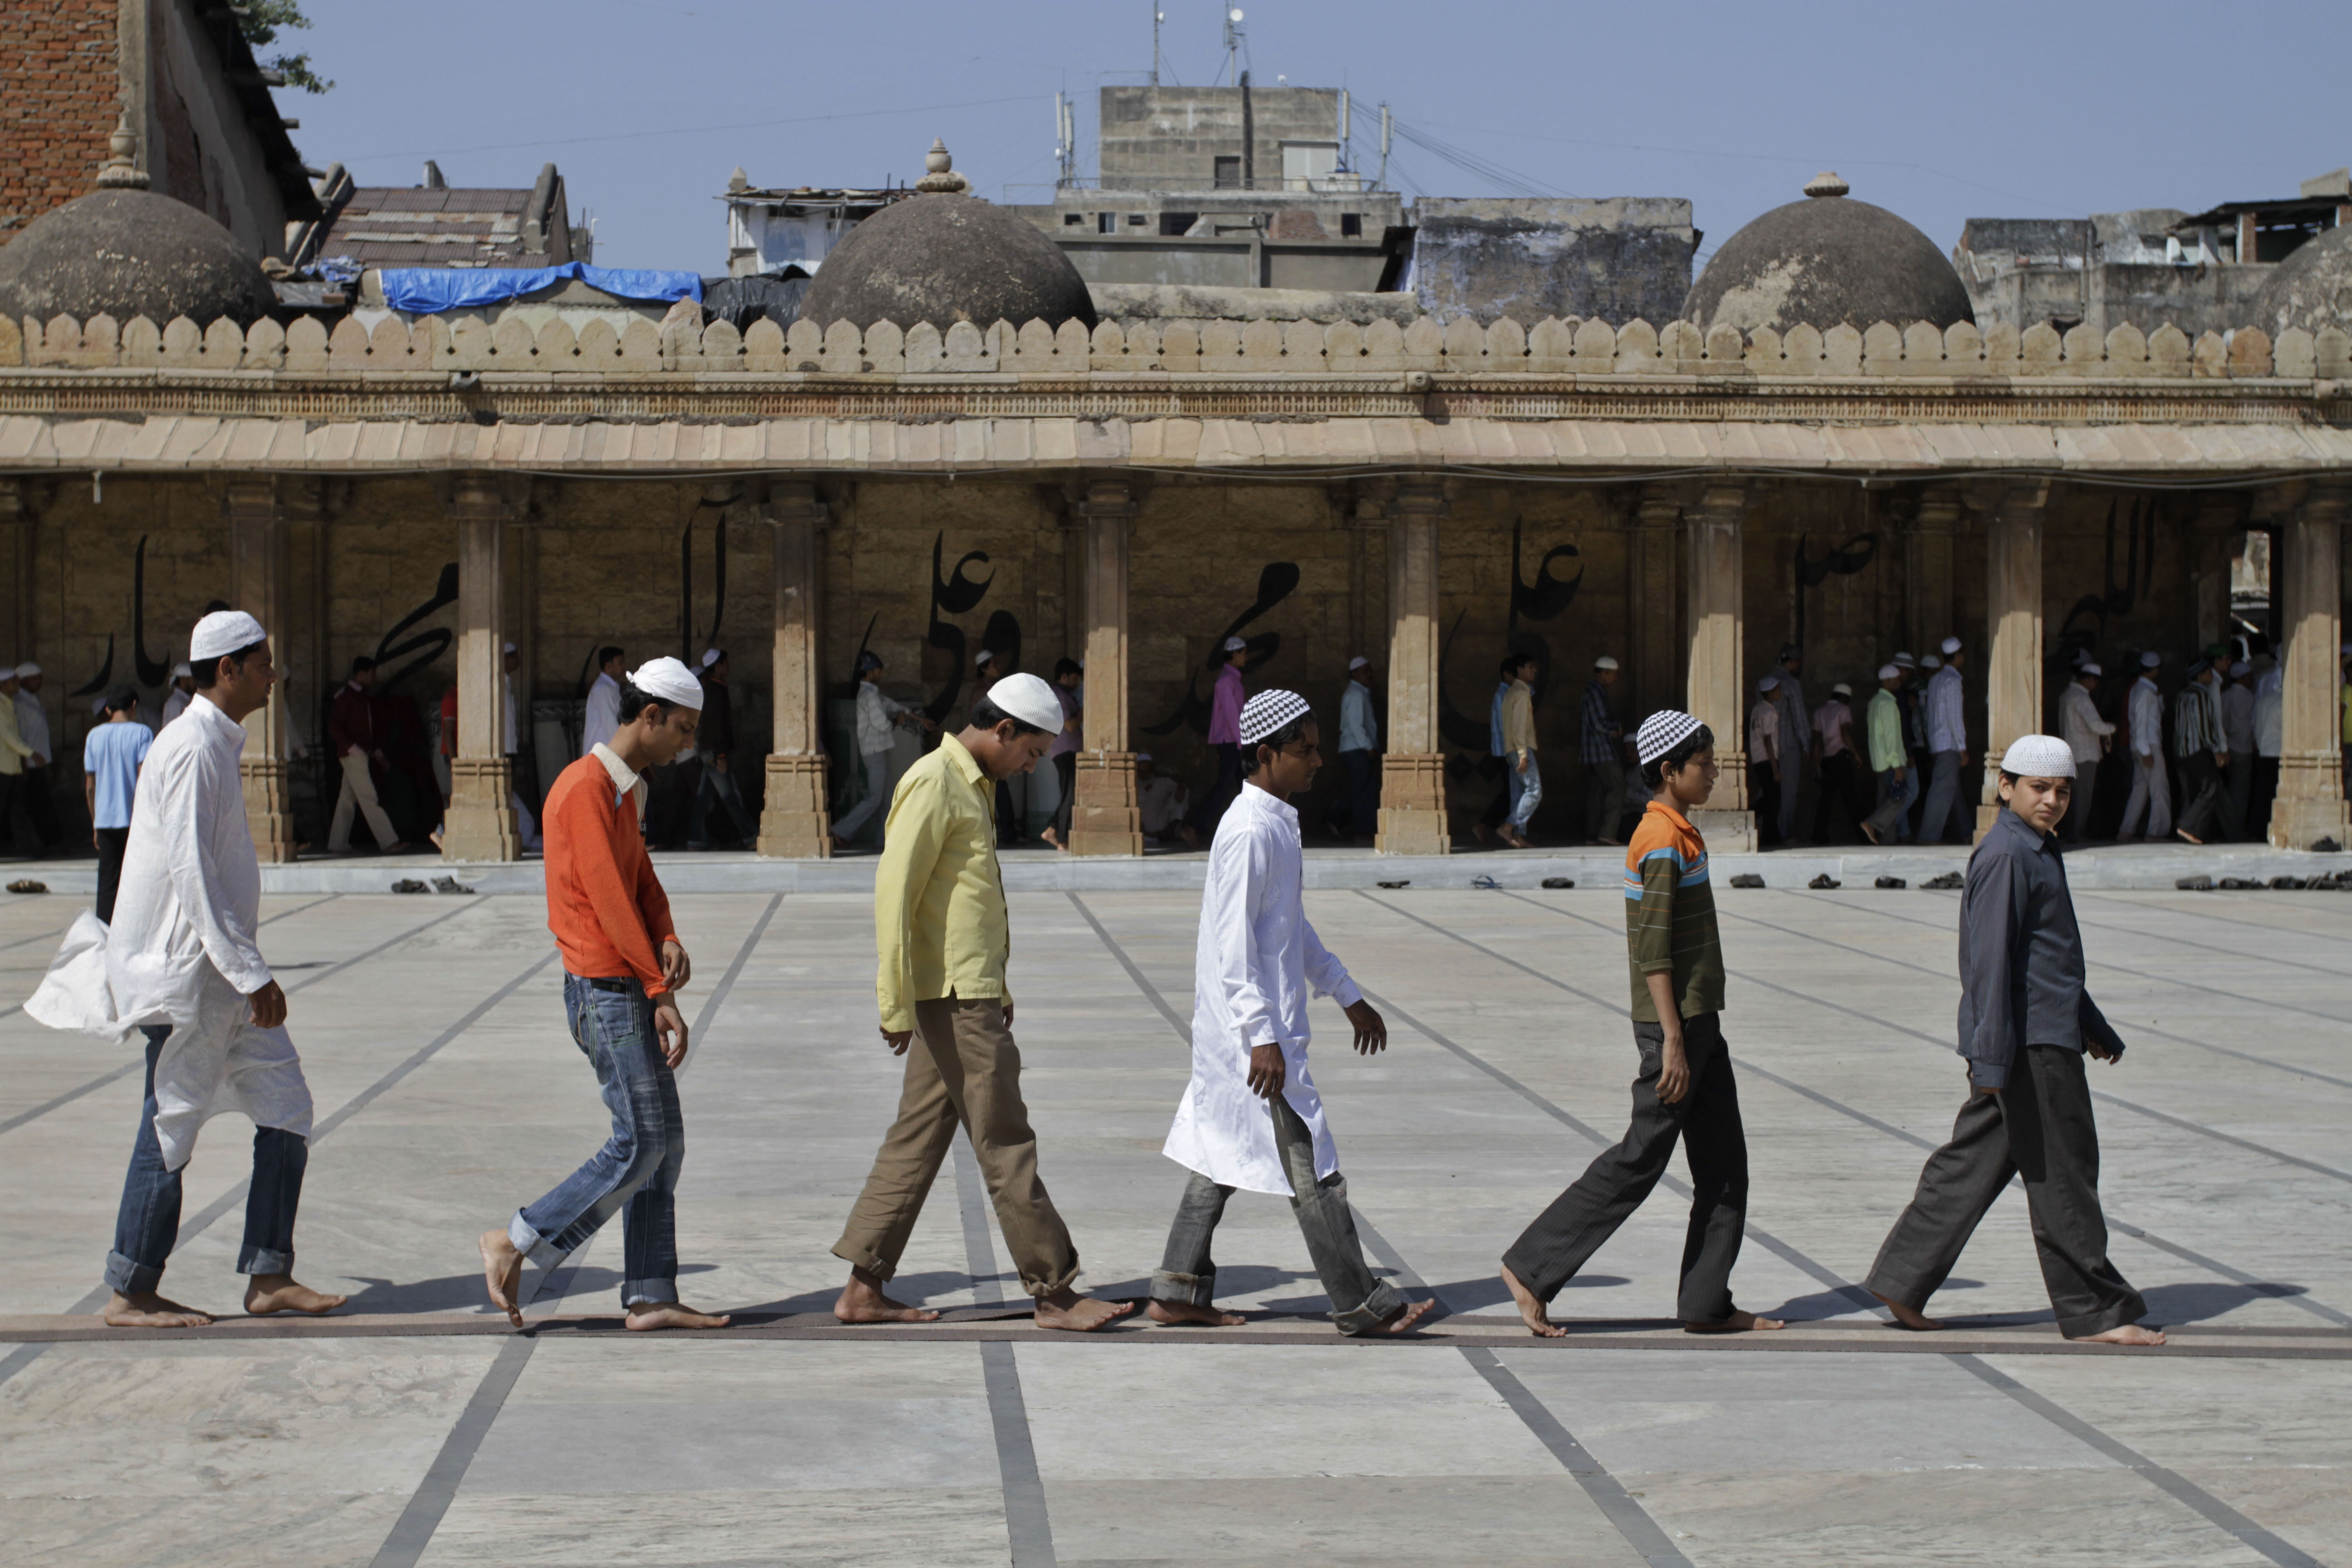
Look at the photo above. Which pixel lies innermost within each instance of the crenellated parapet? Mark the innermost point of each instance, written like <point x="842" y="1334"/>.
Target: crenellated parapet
<point x="1552" y="349"/>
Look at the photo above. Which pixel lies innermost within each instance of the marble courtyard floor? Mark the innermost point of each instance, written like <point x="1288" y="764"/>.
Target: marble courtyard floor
<point x="416" y="1429"/>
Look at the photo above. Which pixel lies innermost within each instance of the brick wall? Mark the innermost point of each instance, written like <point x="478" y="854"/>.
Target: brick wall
<point x="59" y="96"/>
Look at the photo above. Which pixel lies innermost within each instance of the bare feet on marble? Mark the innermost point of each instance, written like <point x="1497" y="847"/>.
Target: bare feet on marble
<point x="1401" y="1320"/>
<point x="1911" y="1318"/>
<point x="1737" y="1323"/>
<point x="502" y="1272"/>
<point x="649" y="1315"/>
<point x="1069" y="1310"/>
<point x="1532" y="1312"/>
<point x="146" y="1310"/>
<point x="2129" y="1334"/>
<point x="1160" y="1311"/>
<point x="862" y="1302"/>
<point x="271" y="1293"/>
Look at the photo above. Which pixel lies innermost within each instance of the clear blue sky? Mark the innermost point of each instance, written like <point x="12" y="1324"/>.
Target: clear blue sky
<point x="1987" y="107"/>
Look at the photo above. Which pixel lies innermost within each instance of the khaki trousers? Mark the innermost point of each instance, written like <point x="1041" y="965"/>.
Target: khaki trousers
<point x="962" y="1067"/>
<point x="358" y="790"/>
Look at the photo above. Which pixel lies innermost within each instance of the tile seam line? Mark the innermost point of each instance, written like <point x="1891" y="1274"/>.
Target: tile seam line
<point x="1631" y="1521"/>
<point x="2108" y="896"/>
<point x="1746" y="978"/>
<point x="2301" y="1301"/>
<point x="59" y="932"/>
<point x="1028" y="1521"/>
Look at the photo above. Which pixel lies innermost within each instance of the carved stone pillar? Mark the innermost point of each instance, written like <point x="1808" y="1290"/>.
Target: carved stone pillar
<point x="1927" y="571"/>
<point x="2308" y="570"/>
<point x="19" y="522"/>
<point x="261" y="576"/>
<point x="1104" y="820"/>
<point x="2013" y="623"/>
<point x="1412" y="772"/>
<point x="2217" y="537"/>
<point x="797" y="823"/>
<point x="1715" y="618"/>
<point x="1654" y="646"/>
<point x="480" y="823"/>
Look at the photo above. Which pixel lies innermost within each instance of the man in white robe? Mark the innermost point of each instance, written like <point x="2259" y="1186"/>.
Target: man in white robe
<point x="180" y="962"/>
<point x="604" y="701"/>
<point x="1251" y="1116"/>
<point x="2151" y="791"/>
<point x="180" y="693"/>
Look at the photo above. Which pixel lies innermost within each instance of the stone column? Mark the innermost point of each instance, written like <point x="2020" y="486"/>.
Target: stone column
<point x="18" y="518"/>
<point x="1653" y="649"/>
<point x="2308" y="568"/>
<point x="1717" y="622"/>
<point x="480" y="823"/>
<point x="260" y="576"/>
<point x="1412" y="772"/>
<point x="1927" y="571"/>
<point x="797" y="823"/>
<point x="2014" y="624"/>
<point x="2218" y="535"/>
<point x="1104" y="819"/>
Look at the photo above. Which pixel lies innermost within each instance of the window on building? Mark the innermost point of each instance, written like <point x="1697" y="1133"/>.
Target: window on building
<point x="1177" y="223"/>
<point x="1074" y="220"/>
<point x="1137" y="220"/>
<point x="1306" y="165"/>
<point x="1229" y="173"/>
<point x="1106" y="223"/>
<point x="1351" y="224"/>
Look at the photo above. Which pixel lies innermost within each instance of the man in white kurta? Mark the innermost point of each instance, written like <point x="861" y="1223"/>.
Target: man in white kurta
<point x="2151" y="791"/>
<point x="604" y="714"/>
<point x="1251" y="1116"/>
<point x="182" y="964"/>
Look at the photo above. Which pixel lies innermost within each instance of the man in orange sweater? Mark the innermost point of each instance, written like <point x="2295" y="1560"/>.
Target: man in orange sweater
<point x="623" y="965"/>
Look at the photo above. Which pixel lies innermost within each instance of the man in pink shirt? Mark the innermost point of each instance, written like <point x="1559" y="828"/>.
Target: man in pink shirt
<point x="1225" y="735"/>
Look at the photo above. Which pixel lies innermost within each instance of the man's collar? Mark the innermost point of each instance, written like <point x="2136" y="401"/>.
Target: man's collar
<point x="1660" y="802"/>
<point x="624" y="777"/>
<point x="2009" y="819"/>
<point x="1264" y="799"/>
<point x="959" y="758"/>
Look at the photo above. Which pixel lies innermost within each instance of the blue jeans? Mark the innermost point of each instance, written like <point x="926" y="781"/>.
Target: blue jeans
<point x="148" y="1224"/>
<point x="613" y="1025"/>
<point x="722" y="788"/>
<point x="1527" y="792"/>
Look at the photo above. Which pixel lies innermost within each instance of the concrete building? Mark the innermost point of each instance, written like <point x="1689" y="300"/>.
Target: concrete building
<point x="179" y="75"/>
<point x="773" y="232"/>
<point x="435" y="223"/>
<point x="1428" y="494"/>
<point x="1622" y="259"/>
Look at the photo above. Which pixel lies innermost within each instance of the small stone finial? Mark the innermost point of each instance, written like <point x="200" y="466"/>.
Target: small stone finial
<point x="120" y="172"/>
<point x="942" y="180"/>
<point x="738" y="180"/>
<point x="1826" y="183"/>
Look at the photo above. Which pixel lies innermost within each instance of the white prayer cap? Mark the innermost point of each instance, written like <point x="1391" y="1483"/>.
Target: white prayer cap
<point x="28" y="669"/>
<point x="2039" y="757"/>
<point x="510" y="649"/>
<point x="1951" y="647"/>
<point x="1267" y="711"/>
<point x="987" y="656"/>
<point x="181" y="669"/>
<point x="1767" y="683"/>
<point x="2151" y="659"/>
<point x="224" y="631"/>
<point x="1905" y="661"/>
<point x="2090" y="667"/>
<point x="1889" y="672"/>
<point x="1605" y="662"/>
<point x="668" y="679"/>
<point x="1841" y="689"/>
<point x="1931" y="662"/>
<point x="1360" y="662"/>
<point x="1143" y="756"/>
<point x="1660" y="733"/>
<point x="711" y="655"/>
<point x="1027" y="698"/>
<point x="1234" y="645"/>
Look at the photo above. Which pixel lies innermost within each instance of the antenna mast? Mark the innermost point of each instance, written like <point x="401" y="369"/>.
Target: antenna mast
<point x="1157" y="16"/>
<point x="1237" y="43"/>
<point x="1066" y="140"/>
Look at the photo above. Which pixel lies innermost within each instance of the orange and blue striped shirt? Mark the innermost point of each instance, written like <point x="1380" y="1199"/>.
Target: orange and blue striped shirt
<point x="1670" y="915"/>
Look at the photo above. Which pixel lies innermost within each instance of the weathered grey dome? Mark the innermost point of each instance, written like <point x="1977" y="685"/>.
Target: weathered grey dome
<point x="2311" y="289"/>
<point x="942" y="257"/>
<point x="1825" y="260"/>
<point x="126" y="253"/>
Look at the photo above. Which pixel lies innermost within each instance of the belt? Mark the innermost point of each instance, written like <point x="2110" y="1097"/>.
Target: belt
<point x="606" y="983"/>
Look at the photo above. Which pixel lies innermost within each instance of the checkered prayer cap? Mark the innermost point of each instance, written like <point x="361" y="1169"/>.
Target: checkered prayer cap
<point x="1267" y="711"/>
<point x="1660" y="733"/>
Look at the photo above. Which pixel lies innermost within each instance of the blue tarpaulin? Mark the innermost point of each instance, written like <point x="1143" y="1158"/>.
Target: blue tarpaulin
<point x="426" y="290"/>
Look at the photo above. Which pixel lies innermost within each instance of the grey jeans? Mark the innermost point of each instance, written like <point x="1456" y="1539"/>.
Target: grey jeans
<point x="1187" y="1275"/>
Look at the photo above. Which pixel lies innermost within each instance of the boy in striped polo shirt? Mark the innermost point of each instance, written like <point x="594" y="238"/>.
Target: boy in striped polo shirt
<point x="1686" y="1090"/>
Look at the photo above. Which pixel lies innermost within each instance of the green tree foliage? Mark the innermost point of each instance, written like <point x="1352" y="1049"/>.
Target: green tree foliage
<point x="261" y="20"/>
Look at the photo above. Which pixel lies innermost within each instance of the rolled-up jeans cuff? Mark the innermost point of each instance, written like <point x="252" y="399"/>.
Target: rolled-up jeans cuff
<point x="534" y="1247"/>
<point x="648" y="1292"/>
<point x="1385" y="1302"/>
<point x="264" y="1260"/>
<point x="128" y="1278"/>
<point x="1184" y="1289"/>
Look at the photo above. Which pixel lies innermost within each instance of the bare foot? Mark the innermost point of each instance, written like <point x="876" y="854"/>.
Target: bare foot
<point x="1160" y="1311"/>
<point x="862" y="1302"/>
<point x="146" y="1310"/>
<point x="1737" y="1323"/>
<point x="1532" y="1312"/>
<point x="2129" y="1334"/>
<point x="1401" y="1320"/>
<point x="1911" y="1318"/>
<point x="1869" y="832"/>
<point x="282" y="1293"/>
<point x="671" y="1315"/>
<point x="1066" y="1308"/>
<point x="502" y="1272"/>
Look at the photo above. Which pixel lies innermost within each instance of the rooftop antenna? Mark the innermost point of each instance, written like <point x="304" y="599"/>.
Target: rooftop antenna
<point x="1383" y="183"/>
<point x="1157" y="16"/>
<point x="1344" y="164"/>
<point x="1237" y="45"/>
<point x="1065" y="138"/>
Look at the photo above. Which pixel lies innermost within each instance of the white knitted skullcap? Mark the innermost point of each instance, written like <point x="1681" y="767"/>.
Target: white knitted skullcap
<point x="1267" y="711"/>
<point x="1027" y="698"/>
<point x="1767" y="683"/>
<point x="1905" y="661"/>
<point x="1841" y="689"/>
<point x="510" y="647"/>
<point x="28" y="669"/>
<point x="1234" y="645"/>
<point x="1143" y="756"/>
<point x="224" y="631"/>
<point x="1888" y="671"/>
<point x="2090" y="667"/>
<point x="1605" y="662"/>
<point x="2039" y="757"/>
<point x="2151" y="659"/>
<point x="1360" y="662"/>
<point x="711" y="655"/>
<point x="1660" y="733"/>
<point x="1951" y="647"/>
<point x="669" y="679"/>
<point x="181" y="669"/>
<point x="1931" y="662"/>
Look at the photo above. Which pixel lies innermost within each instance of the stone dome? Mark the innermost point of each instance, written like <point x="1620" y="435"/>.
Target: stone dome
<point x="2311" y="289"/>
<point x="1824" y="260"/>
<point x="124" y="251"/>
<point x="944" y="256"/>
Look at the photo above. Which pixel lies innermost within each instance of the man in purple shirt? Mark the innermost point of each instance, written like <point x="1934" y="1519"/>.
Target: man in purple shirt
<point x="1225" y="735"/>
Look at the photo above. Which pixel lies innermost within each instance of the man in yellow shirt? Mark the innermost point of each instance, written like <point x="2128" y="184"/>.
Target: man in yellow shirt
<point x="940" y="926"/>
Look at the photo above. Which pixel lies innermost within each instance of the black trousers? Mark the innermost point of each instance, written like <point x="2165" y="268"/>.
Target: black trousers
<point x="2200" y="796"/>
<point x="1357" y="811"/>
<point x="1707" y="1119"/>
<point x="1843" y="787"/>
<point x="1066" y="774"/>
<point x="1212" y="809"/>
<point x="1764" y="796"/>
<point x="41" y="804"/>
<point x="111" y="842"/>
<point x="2040" y="1129"/>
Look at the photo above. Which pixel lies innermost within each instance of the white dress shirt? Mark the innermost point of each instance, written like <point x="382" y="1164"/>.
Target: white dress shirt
<point x="1948" y="722"/>
<point x="2146" y="719"/>
<point x="1252" y="968"/>
<point x="2080" y="723"/>
<point x="2270" y="701"/>
<point x="604" y="713"/>
<point x="1359" y="730"/>
<point x="175" y="702"/>
<point x="877" y="715"/>
<point x="33" y="724"/>
<point x="1763" y="731"/>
